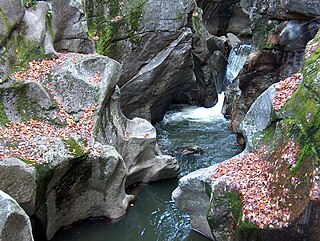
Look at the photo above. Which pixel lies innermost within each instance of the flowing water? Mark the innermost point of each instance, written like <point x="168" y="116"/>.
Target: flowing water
<point x="236" y="60"/>
<point x="153" y="216"/>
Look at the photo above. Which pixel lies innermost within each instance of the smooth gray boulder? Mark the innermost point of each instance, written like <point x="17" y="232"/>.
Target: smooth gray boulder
<point x="35" y="20"/>
<point x="135" y="140"/>
<point x="15" y="225"/>
<point x="19" y="181"/>
<point x="70" y="27"/>
<point x="22" y="100"/>
<point x="166" y="77"/>
<point x="87" y="187"/>
<point x="84" y="80"/>
<point x="296" y="34"/>
<point x="153" y="41"/>
<point x="220" y="215"/>
<point x="193" y="196"/>
<point x="28" y="40"/>
<point x="12" y="13"/>
<point x="259" y="117"/>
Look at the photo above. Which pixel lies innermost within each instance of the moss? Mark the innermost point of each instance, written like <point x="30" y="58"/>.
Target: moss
<point x="3" y="117"/>
<point x="110" y="31"/>
<point x="248" y="231"/>
<point x="26" y="108"/>
<point x="29" y="3"/>
<point x="196" y="22"/>
<point x="76" y="174"/>
<point x="235" y="204"/>
<point x="5" y="21"/>
<point x="45" y="173"/>
<point x="27" y="161"/>
<point x="75" y="149"/>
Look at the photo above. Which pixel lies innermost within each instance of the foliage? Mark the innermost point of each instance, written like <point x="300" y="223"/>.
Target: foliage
<point x="3" y="117"/>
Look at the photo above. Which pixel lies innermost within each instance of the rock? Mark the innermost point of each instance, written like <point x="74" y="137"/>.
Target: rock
<point x="19" y="180"/>
<point x="25" y="100"/>
<point x="35" y="19"/>
<point x="15" y="225"/>
<point x="70" y="27"/>
<point x="308" y="8"/>
<point x="189" y="150"/>
<point x="148" y="86"/>
<point x="261" y="70"/>
<point x="153" y="42"/>
<point x="233" y="40"/>
<point x="239" y="24"/>
<point x="223" y="214"/>
<point x="193" y="195"/>
<point x="296" y="34"/>
<point x="259" y="117"/>
<point x="27" y="41"/>
<point x="87" y="187"/>
<point x="202" y="62"/>
<point x="11" y="15"/>
<point x="74" y="81"/>
<point x="135" y="140"/>
<point x="219" y="66"/>
<point x="216" y="15"/>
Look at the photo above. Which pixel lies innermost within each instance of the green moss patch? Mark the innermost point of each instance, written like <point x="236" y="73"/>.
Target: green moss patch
<point x="74" y="148"/>
<point x="121" y="22"/>
<point x="248" y="231"/>
<point x="3" y="117"/>
<point x="235" y="204"/>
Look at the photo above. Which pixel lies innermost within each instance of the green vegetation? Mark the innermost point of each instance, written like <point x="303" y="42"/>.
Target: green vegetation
<point x="3" y="117"/>
<point x="73" y="147"/>
<point x="121" y="23"/>
<point x="196" y="21"/>
<point x="27" y="161"/>
<point x="248" y="231"/>
<point x="29" y="3"/>
<point x="45" y="173"/>
<point x="26" y="108"/>
<point x="235" y="204"/>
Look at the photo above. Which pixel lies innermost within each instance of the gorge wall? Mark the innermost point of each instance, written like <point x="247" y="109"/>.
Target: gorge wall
<point x="72" y="134"/>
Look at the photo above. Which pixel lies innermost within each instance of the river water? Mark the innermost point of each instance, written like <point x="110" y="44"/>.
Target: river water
<point x="153" y="216"/>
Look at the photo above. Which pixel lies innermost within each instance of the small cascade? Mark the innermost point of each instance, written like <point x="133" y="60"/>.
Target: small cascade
<point x="236" y="60"/>
<point x="197" y="114"/>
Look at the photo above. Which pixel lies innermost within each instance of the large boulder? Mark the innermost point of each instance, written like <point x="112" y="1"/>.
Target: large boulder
<point x="153" y="41"/>
<point x="29" y="40"/>
<point x="11" y="15"/>
<point x="70" y="27"/>
<point x="259" y="117"/>
<point x="217" y="14"/>
<point x="15" y="225"/>
<point x="193" y="196"/>
<point x="19" y="181"/>
<point x="24" y="100"/>
<point x="83" y="81"/>
<point x="135" y="140"/>
<point x="87" y="187"/>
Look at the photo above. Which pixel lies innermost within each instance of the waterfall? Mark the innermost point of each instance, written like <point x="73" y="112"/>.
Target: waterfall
<point x="197" y="114"/>
<point x="236" y="60"/>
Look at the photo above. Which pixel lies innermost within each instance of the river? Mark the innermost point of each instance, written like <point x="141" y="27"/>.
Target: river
<point x="153" y="216"/>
